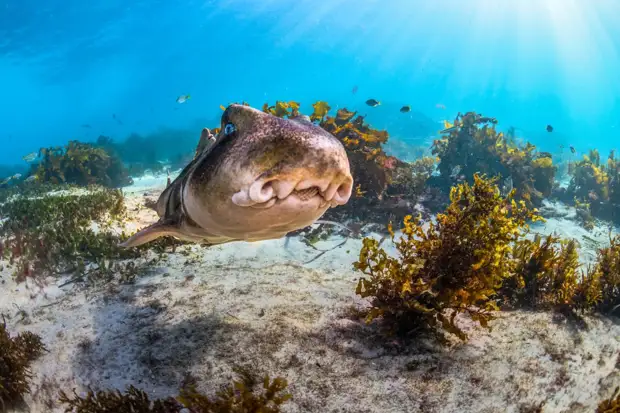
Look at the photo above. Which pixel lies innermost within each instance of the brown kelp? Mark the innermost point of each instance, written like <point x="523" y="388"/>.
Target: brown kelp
<point x="133" y="400"/>
<point x="475" y="257"/>
<point x="600" y="287"/>
<point x="611" y="405"/>
<point x="472" y="145"/>
<point x="248" y="394"/>
<point x="16" y="355"/>
<point x="545" y="274"/>
<point x="81" y="164"/>
<point x="596" y="183"/>
<point x="454" y="266"/>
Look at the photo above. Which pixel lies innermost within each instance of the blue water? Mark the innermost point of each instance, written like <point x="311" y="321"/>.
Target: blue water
<point x="529" y="63"/>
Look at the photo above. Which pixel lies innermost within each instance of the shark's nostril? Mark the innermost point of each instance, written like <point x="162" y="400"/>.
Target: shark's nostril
<point x="261" y="191"/>
<point x="344" y="190"/>
<point x="343" y="193"/>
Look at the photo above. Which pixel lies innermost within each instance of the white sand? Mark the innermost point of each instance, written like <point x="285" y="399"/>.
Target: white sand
<point x="205" y="310"/>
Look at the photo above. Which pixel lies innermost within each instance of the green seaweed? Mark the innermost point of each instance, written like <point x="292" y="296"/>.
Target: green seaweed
<point x="53" y="233"/>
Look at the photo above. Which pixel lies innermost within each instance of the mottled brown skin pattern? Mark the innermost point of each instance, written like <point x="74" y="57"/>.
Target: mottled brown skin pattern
<point x="245" y="185"/>
<point x="265" y="142"/>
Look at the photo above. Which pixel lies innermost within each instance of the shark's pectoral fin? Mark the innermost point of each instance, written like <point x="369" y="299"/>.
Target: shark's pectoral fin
<point x="152" y="232"/>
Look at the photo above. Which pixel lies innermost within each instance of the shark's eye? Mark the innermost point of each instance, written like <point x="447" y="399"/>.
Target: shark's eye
<point x="229" y="129"/>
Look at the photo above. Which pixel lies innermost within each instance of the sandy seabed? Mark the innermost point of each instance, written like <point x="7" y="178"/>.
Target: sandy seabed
<point x="203" y="311"/>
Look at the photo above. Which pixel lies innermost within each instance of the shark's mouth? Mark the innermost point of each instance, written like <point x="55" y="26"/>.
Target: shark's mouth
<point x="267" y="193"/>
<point x="306" y="194"/>
<point x="303" y="195"/>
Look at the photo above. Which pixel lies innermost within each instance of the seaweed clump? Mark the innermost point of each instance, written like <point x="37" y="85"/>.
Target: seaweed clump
<point x="545" y="274"/>
<point x="247" y="394"/>
<point x="16" y="355"/>
<point x="454" y="266"/>
<point x="82" y="164"/>
<point x="65" y="232"/>
<point x="386" y="187"/>
<point x="600" y="287"/>
<point x="596" y="184"/>
<point x="611" y="405"/>
<point x="243" y="396"/>
<point x="113" y="401"/>
<point x="546" y="277"/>
<point x="473" y="145"/>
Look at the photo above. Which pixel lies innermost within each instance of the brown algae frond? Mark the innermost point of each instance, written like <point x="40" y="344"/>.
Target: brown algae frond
<point x="16" y="355"/>
<point x="454" y="266"/>
<point x="245" y="395"/>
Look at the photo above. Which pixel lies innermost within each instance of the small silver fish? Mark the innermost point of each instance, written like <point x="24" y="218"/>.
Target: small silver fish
<point x="183" y="98"/>
<point x="31" y="178"/>
<point x="10" y="178"/>
<point x="455" y="171"/>
<point x="31" y="157"/>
